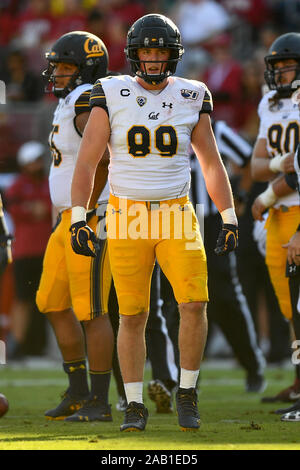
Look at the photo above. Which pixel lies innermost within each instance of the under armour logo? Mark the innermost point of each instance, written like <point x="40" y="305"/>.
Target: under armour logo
<point x="164" y="105"/>
<point x="115" y="211"/>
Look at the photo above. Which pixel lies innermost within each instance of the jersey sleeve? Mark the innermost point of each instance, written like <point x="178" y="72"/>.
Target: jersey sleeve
<point x="98" y="97"/>
<point x="207" y="104"/>
<point x="82" y="104"/>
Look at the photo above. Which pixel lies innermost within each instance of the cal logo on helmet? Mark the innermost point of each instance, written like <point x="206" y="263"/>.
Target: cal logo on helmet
<point x="93" y="48"/>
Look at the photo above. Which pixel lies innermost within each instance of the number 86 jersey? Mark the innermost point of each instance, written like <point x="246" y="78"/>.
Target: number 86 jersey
<point x="150" y="135"/>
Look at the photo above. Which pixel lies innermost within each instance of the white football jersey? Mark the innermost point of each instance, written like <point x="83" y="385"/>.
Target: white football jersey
<point x="64" y="141"/>
<point x="150" y="135"/>
<point x="280" y="126"/>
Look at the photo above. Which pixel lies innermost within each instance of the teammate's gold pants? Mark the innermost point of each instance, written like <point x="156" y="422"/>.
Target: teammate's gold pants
<point x="74" y="281"/>
<point x="281" y="224"/>
<point x="139" y="232"/>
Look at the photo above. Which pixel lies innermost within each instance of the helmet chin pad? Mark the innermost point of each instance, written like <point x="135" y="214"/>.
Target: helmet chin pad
<point x="153" y="78"/>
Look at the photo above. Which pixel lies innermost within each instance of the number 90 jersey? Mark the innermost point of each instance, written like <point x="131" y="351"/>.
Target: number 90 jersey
<point x="280" y="126"/>
<point x="150" y="135"/>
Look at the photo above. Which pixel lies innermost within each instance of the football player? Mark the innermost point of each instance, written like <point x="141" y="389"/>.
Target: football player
<point x="5" y="241"/>
<point x="75" y="289"/>
<point x="273" y="154"/>
<point x="149" y="121"/>
<point x="282" y="186"/>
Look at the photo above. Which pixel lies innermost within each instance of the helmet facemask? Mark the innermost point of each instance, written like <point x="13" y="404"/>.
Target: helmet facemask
<point x="167" y="67"/>
<point x="272" y="75"/>
<point x="74" y="81"/>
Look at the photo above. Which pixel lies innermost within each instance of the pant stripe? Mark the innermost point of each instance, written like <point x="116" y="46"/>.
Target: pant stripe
<point x="96" y="281"/>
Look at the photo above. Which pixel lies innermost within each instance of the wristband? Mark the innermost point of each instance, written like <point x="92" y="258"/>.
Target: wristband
<point x="78" y="214"/>
<point x="229" y="217"/>
<point x="268" y="197"/>
<point x="276" y="163"/>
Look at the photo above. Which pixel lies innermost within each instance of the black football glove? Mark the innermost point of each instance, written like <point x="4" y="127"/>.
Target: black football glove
<point x="81" y="234"/>
<point x="227" y="239"/>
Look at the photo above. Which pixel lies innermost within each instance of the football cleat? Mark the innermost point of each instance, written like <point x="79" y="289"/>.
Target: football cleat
<point x="255" y="383"/>
<point x="93" y="410"/>
<point x="136" y="416"/>
<point x="187" y="409"/>
<point x="67" y="407"/>
<point x="295" y="407"/>
<point x="161" y="396"/>
<point x="293" y="416"/>
<point x="288" y="395"/>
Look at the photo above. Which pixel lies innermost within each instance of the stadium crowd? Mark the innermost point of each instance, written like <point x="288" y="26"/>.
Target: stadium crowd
<point x="225" y="43"/>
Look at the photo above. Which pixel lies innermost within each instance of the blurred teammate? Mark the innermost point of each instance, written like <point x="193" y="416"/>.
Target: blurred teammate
<point x="75" y="289"/>
<point x="282" y="186"/>
<point x="278" y="136"/>
<point x="149" y="122"/>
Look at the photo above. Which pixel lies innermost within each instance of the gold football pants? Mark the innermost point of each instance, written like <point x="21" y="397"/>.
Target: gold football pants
<point x="281" y="226"/>
<point x="139" y="232"/>
<point x="74" y="281"/>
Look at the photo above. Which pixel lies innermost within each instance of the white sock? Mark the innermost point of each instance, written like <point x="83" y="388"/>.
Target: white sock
<point x="188" y="378"/>
<point x="134" y="392"/>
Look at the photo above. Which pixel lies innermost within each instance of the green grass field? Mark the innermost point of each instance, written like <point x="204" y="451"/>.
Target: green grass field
<point x="231" y="418"/>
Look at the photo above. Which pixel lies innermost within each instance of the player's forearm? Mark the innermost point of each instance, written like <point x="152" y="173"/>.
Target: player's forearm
<point x="82" y="184"/>
<point x="100" y="179"/>
<point x="280" y="187"/>
<point x="266" y="199"/>
<point x="93" y="145"/>
<point x="260" y="169"/>
<point x="260" y="162"/>
<point x="213" y="169"/>
<point x="219" y="189"/>
<point x="265" y="169"/>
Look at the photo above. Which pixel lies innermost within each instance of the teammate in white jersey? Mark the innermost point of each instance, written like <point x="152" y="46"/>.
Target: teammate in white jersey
<point x="283" y="185"/>
<point x="274" y="153"/>
<point x="149" y="122"/>
<point x="73" y="289"/>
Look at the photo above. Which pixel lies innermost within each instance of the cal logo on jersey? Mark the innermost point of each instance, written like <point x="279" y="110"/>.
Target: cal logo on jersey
<point x="189" y="94"/>
<point x="141" y="100"/>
